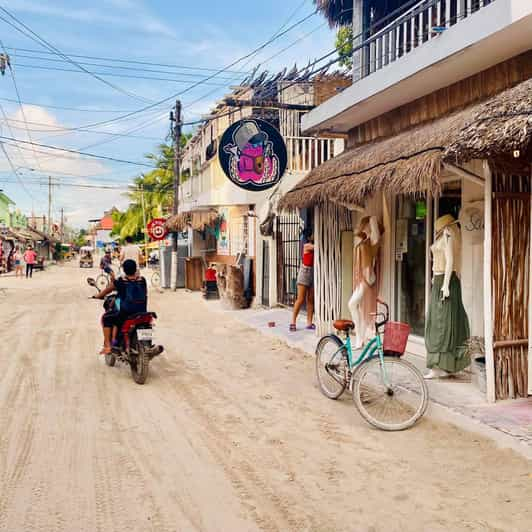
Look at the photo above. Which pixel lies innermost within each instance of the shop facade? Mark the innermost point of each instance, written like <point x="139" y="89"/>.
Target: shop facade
<point x="465" y="151"/>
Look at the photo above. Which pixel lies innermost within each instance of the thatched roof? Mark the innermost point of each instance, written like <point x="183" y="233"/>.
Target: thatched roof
<point x="412" y="161"/>
<point x="499" y="127"/>
<point x="337" y="12"/>
<point x="195" y="219"/>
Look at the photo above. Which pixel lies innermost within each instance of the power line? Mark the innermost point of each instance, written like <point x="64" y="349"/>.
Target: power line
<point x="14" y="60"/>
<point x="43" y="42"/>
<point x="15" y="171"/>
<point x="137" y="163"/>
<point x="114" y="75"/>
<point x="208" y="78"/>
<point x="127" y="61"/>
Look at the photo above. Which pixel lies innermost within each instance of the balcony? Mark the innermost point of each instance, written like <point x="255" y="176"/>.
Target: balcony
<point x="210" y="187"/>
<point x="432" y="45"/>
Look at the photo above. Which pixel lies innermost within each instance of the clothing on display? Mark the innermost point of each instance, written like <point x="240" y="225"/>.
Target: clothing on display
<point x="363" y="302"/>
<point x="447" y="328"/>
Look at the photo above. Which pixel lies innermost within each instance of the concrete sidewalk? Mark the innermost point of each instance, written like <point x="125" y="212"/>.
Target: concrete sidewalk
<point x="456" y="400"/>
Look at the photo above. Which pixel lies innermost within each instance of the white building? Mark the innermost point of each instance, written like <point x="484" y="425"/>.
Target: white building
<point x="438" y="121"/>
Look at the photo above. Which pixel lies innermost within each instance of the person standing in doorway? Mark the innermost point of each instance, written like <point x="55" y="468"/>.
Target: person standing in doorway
<point x="305" y="286"/>
<point x="17" y="257"/>
<point x="130" y="252"/>
<point x="30" y="258"/>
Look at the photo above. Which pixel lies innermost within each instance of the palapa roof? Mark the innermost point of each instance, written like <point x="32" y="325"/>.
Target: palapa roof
<point x="337" y="12"/>
<point x="412" y="161"/>
<point x="498" y="128"/>
<point x="195" y="219"/>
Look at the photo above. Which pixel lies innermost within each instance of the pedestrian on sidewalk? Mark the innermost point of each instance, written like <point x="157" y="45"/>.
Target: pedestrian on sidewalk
<point x="305" y="285"/>
<point x="30" y="258"/>
<point x="17" y="257"/>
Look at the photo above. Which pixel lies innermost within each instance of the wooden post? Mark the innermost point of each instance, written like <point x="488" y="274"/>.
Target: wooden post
<point x="530" y="307"/>
<point x="488" y="299"/>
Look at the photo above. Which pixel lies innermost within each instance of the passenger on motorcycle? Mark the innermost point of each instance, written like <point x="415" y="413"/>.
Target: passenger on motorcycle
<point x="132" y="298"/>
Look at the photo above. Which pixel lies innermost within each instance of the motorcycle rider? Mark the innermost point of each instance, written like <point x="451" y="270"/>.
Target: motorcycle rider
<point x="132" y="298"/>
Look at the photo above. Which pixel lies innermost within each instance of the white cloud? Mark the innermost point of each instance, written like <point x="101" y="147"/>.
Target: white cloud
<point x="80" y="204"/>
<point x="136" y="18"/>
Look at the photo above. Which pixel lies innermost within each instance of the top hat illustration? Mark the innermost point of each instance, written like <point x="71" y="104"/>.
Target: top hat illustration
<point x="248" y="133"/>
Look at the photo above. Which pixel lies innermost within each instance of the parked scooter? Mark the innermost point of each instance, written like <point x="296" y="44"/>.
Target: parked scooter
<point x="134" y="340"/>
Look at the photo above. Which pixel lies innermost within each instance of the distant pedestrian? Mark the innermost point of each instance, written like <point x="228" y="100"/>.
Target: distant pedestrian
<point x="130" y="252"/>
<point x="305" y="286"/>
<point x="18" y="258"/>
<point x="30" y="258"/>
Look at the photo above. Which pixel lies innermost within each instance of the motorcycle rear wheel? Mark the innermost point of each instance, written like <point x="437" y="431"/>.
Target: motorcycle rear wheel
<point x="110" y="360"/>
<point x="139" y="363"/>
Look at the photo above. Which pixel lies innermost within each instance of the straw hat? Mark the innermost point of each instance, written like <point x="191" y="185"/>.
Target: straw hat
<point x="444" y="221"/>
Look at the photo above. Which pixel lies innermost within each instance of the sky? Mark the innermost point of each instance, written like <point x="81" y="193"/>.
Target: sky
<point x="184" y="42"/>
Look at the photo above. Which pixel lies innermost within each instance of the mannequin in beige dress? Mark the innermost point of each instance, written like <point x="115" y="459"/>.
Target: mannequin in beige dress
<point x="364" y="298"/>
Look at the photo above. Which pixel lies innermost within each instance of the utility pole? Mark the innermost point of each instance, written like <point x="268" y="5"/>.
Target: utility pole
<point x="176" y="118"/>
<point x="62" y="233"/>
<point x="49" y="224"/>
<point x="144" y="221"/>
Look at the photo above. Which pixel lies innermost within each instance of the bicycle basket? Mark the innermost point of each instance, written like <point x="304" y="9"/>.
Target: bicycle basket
<point x="395" y="337"/>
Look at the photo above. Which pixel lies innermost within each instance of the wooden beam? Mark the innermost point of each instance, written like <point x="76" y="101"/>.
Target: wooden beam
<point x="509" y="343"/>
<point x="488" y="299"/>
<point x="466" y="174"/>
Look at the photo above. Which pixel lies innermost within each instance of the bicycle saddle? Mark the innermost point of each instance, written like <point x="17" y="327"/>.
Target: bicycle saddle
<point x="343" y="325"/>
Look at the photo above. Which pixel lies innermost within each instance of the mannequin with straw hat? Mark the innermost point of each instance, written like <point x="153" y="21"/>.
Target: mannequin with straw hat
<point x="447" y="327"/>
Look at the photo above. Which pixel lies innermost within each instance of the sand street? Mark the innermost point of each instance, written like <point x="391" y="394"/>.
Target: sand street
<point x="229" y="433"/>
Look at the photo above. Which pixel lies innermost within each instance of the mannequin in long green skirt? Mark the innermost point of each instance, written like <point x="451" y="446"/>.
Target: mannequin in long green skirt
<point x="447" y="328"/>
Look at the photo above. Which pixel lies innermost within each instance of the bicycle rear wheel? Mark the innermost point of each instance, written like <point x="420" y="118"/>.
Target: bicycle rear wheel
<point x="155" y="280"/>
<point x="331" y="366"/>
<point x="390" y="395"/>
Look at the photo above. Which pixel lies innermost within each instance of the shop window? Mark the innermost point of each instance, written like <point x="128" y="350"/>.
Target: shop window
<point x="410" y="261"/>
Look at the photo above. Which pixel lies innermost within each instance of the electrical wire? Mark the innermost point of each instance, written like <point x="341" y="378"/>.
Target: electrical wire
<point x="206" y="79"/>
<point x="43" y="42"/>
<point x="126" y="61"/>
<point x="61" y="108"/>
<point x="67" y="150"/>
<point x="114" y="75"/>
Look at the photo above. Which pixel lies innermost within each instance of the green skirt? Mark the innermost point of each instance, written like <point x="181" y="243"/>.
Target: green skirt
<point x="447" y="328"/>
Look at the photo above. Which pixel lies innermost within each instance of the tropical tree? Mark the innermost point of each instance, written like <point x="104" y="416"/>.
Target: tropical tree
<point x="150" y="195"/>
<point x="337" y="12"/>
<point x="344" y="45"/>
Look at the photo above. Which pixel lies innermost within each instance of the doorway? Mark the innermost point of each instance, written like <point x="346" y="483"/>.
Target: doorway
<point x="410" y="262"/>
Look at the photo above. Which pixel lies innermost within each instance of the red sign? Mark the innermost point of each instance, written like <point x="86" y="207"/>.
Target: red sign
<point x="156" y="229"/>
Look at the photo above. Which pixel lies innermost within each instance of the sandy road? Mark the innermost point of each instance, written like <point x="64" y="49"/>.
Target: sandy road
<point x="229" y="433"/>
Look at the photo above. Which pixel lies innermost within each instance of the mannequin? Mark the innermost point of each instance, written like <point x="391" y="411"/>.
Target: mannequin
<point x="447" y="327"/>
<point x="364" y="298"/>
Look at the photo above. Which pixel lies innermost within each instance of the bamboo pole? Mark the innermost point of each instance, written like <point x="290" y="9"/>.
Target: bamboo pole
<point x="488" y="311"/>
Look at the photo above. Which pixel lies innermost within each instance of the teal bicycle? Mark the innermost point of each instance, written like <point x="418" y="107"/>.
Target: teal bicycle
<point x="389" y="392"/>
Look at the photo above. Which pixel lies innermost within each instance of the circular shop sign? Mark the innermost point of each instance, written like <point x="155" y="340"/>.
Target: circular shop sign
<point x="156" y="229"/>
<point x="252" y="154"/>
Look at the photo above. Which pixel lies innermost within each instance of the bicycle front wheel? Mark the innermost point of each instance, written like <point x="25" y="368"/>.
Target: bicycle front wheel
<point x="102" y="281"/>
<point x="390" y="394"/>
<point x="331" y="366"/>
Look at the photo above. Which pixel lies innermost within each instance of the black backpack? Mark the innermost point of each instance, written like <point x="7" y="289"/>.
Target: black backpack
<point x="134" y="296"/>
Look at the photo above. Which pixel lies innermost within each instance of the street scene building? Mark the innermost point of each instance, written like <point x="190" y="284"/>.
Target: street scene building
<point x="266" y="267"/>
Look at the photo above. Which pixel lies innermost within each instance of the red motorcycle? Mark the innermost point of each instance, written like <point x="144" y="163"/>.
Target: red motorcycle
<point x="134" y="340"/>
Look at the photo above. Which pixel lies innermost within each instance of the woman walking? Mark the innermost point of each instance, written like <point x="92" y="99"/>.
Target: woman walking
<point x="17" y="257"/>
<point x="305" y="286"/>
<point x="29" y="258"/>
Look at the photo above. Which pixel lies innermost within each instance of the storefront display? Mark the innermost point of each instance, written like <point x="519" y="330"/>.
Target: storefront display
<point x="447" y="328"/>
<point x="363" y="302"/>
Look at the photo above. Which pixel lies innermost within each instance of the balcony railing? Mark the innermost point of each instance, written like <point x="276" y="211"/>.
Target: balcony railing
<point x="305" y="153"/>
<point x="422" y="22"/>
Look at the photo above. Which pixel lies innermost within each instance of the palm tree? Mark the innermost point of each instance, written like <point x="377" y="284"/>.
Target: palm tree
<point x="150" y="194"/>
<point x="337" y="12"/>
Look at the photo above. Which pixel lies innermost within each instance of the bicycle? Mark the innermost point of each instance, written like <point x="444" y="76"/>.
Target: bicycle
<point x="104" y="279"/>
<point x="389" y="392"/>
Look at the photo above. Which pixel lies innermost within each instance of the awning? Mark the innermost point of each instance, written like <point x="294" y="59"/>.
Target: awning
<point x="195" y="219"/>
<point x="412" y="161"/>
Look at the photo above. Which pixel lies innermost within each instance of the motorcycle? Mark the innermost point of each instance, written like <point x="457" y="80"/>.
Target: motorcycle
<point x="134" y="340"/>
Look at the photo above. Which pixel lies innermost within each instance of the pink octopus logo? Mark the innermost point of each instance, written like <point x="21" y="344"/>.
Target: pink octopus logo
<point x="252" y="159"/>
